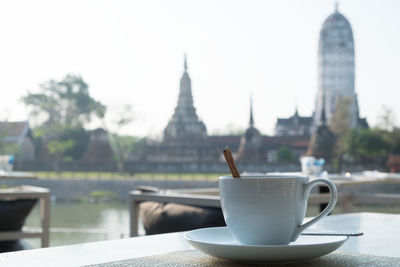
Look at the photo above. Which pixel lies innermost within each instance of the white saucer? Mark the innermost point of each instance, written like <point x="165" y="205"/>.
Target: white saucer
<point x="219" y="242"/>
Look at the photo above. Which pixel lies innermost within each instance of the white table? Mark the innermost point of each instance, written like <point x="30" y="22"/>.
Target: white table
<point x="381" y="238"/>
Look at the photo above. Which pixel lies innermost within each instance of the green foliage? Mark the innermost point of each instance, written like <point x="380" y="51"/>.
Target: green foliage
<point x="121" y="145"/>
<point x="63" y="142"/>
<point x="366" y="145"/>
<point x="102" y="193"/>
<point x="392" y="138"/>
<point x="80" y="140"/>
<point x="57" y="147"/>
<point x="340" y="121"/>
<point x="285" y="154"/>
<point x="124" y="143"/>
<point x="386" y="119"/>
<point x="340" y="126"/>
<point x="102" y="196"/>
<point x="63" y="108"/>
<point x="7" y="148"/>
<point x="127" y="144"/>
<point x="66" y="102"/>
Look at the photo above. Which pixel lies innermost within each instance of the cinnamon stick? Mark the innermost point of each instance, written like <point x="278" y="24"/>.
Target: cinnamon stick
<point x="231" y="163"/>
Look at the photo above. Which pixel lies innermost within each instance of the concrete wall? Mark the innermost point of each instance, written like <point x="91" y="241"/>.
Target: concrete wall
<point x="75" y="190"/>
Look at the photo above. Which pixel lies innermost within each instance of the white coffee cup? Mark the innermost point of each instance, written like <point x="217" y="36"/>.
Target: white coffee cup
<point x="269" y="209"/>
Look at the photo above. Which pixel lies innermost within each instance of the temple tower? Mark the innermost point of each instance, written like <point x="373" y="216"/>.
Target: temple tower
<point x="336" y="68"/>
<point x="252" y="136"/>
<point x="185" y="126"/>
<point x="250" y="148"/>
<point x="322" y="142"/>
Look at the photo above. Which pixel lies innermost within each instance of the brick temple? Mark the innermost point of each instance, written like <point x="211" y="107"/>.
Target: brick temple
<point x="185" y="137"/>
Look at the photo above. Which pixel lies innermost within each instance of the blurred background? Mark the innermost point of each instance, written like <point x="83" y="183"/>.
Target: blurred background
<point x="99" y="97"/>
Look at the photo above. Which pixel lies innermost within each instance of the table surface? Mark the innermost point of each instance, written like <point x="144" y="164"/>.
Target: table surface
<point x="381" y="237"/>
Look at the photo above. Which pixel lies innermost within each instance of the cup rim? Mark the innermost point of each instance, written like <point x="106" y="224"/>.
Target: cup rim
<point x="267" y="177"/>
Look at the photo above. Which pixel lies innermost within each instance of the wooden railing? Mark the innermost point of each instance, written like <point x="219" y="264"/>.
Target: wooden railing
<point x="29" y="192"/>
<point x="210" y="198"/>
<point x="347" y="201"/>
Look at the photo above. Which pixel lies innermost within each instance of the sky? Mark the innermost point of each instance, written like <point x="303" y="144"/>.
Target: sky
<point x="131" y="52"/>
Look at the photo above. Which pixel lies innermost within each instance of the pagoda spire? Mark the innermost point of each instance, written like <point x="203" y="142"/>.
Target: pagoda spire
<point x="185" y="67"/>
<point x="185" y="125"/>
<point x="251" y="122"/>
<point x="250" y="143"/>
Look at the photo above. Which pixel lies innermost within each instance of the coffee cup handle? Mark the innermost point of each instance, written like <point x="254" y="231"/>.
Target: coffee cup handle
<point x="326" y="211"/>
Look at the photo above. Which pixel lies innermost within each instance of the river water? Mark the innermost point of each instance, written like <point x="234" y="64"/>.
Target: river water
<point x="73" y="223"/>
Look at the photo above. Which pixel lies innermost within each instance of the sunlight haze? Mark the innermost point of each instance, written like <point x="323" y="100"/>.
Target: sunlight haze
<point x="131" y="52"/>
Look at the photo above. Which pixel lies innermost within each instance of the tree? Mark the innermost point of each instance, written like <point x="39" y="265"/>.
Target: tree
<point x="389" y="130"/>
<point x="7" y="148"/>
<point x="285" y="154"/>
<point x="387" y="119"/>
<point x="78" y="140"/>
<point x="57" y="148"/>
<point x="392" y="139"/>
<point x="66" y="102"/>
<point x="340" y="125"/>
<point x="62" y="142"/>
<point x="341" y="119"/>
<point x="121" y="144"/>
<point x="366" y="145"/>
<point x="63" y="108"/>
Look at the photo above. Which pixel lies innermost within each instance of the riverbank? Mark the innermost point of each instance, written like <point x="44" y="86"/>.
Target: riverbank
<point x="105" y="190"/>
<point x="92" y="190"/>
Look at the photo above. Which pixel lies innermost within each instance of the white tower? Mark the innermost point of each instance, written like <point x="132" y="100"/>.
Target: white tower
<point x="336" y="68"/>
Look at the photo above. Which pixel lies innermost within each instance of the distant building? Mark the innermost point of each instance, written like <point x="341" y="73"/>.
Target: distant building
<point x="322" y="143"/>
<point x="185" y="137"/>
<point x="295" y="125"/>
<point x="185" y="141"/>
<point x="336" y="69"/>
<point x="336" y="75"/>
<point x="185" y="126"/>
<point x="98" y="149"/>
<point x="16" y="139"/>
<point x="186" y="145"/>
<point x="251" y="148"/>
